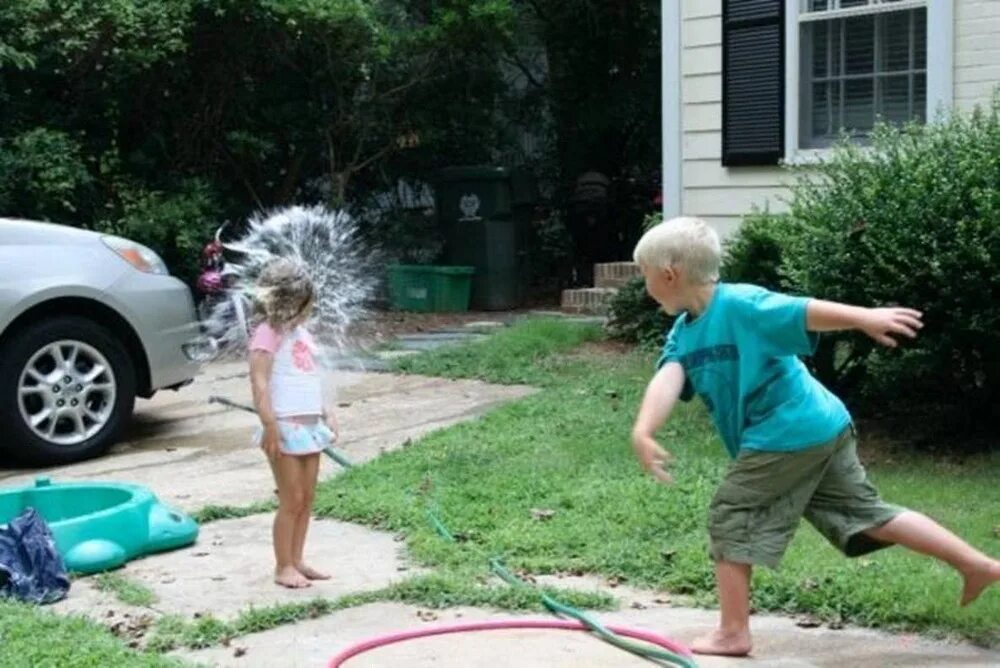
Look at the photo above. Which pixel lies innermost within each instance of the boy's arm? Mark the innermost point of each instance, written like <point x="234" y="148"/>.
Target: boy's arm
<point x="881" y="324"/>
<point x="657" y="404"/>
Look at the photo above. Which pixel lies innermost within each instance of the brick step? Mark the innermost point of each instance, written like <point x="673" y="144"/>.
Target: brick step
<point x="615" y="274"/>
<point x="587" y="300"/>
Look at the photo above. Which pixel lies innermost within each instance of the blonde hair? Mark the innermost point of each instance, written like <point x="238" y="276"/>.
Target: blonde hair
<point x="283" y="294"/>
<point x="686" y="242"/>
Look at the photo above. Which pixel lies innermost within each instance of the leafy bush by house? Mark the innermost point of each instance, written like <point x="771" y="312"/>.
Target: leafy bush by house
<point x="911" y="219"/>
<point x="636" y="317"/>
<point x="756" y="254"/>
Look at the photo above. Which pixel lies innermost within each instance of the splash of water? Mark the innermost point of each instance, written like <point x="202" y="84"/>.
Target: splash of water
<point x="328" y="244"/>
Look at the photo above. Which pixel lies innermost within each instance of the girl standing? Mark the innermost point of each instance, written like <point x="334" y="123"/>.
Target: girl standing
<point x="296" y="424"/>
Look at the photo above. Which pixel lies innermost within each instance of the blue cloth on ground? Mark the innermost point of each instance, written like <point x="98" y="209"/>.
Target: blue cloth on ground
<point x="31" y="568"/>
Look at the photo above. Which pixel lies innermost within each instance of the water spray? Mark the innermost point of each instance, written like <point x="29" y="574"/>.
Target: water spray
<point x="327" y="244"/>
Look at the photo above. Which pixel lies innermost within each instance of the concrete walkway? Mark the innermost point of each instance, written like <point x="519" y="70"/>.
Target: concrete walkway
<point x="779" y="643"/>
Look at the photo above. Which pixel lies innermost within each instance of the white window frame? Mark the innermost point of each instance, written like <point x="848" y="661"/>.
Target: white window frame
<point x="940" y="63"/>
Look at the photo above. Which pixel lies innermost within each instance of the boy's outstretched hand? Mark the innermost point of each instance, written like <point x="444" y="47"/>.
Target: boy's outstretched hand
<point x="654" y="459"/>
<point x="661" y="395"/>
<point x="885" y="324"/>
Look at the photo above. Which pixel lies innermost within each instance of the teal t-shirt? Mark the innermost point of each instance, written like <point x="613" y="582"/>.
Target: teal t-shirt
<point x="741" y="357"/>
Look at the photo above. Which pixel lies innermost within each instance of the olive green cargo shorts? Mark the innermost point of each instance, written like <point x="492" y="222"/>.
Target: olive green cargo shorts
<point x="757" y="508"/>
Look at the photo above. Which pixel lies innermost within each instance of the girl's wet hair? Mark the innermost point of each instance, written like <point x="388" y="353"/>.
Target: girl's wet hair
<point x="284" y="293"/>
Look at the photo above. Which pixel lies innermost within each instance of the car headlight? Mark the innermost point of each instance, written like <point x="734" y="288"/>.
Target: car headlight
<point x="137" y="255"/>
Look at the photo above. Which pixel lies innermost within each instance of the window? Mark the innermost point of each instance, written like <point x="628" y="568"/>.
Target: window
<point x="860" y="61"/>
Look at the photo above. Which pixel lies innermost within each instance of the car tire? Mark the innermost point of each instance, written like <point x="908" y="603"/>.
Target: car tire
<point x="33" y="363"/>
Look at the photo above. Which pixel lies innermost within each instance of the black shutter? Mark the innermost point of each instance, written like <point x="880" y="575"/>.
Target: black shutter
<point x="753" y="82"/>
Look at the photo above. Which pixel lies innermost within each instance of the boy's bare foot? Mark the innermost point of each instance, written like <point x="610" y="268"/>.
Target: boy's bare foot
<point x="291" y="578"/>
<point x="723" y="644"/>
<point x="312" y="573"/>
<point x="979" y="579"/>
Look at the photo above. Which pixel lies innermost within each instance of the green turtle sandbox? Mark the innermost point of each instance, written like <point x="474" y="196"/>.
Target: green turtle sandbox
<point x="98" y="526"/>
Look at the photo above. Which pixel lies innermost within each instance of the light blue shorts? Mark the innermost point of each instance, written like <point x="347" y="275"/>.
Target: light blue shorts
<point x="300" y="439"/>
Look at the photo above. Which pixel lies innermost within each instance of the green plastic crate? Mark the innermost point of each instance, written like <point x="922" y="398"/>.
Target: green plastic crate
<point x="430" y="288"/>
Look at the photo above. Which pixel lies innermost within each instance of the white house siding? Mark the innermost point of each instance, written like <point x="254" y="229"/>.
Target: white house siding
<point x="718" y="194"/>
<point x="723" y="195"/>
<point x="977" y="51"/>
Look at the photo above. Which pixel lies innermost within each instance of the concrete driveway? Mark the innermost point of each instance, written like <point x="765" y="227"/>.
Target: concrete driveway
<point x="192" y="453"/>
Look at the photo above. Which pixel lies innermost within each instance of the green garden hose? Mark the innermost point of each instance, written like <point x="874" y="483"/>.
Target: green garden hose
<point x="501" y="571"/>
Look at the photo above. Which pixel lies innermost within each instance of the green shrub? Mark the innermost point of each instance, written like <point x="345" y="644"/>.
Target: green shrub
<point x="652" y="220"/>
<point x="756" y="253"/>
<point x="176" y="225"/>
<point x="635" y="317"/>
<point x="43" y="176"/>
<point x="911" y="219"/>
<point x="914" y="220"/>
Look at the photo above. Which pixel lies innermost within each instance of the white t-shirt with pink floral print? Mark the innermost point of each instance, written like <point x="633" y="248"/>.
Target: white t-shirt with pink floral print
<point x="296" y="385"/>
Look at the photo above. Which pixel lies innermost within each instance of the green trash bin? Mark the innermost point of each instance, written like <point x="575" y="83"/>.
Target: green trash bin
<point x="430" y="288"/>
<point x="475" y="205"/>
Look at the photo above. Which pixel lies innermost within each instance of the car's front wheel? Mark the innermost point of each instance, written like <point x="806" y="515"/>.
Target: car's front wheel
<point x="67" y="388"/>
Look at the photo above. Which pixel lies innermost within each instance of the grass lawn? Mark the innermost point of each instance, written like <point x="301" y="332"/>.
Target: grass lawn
<point x="30" y="636"/>
<point x="566" y="450"/>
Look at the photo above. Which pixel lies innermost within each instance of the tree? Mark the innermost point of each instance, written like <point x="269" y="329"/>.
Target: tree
<point x="601" y="84"/>
<point x="259" y="102"/>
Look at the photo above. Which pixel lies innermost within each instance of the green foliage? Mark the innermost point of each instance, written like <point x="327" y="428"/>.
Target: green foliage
<point x="127" y="591"/>
<point x="913" y="220"/>
<point x="652" y="220"/>
<point x="549" y="249"/>
<point x="34" y="637"/>
<point x="635" y="317"/>
<point x="175" y="224"/>
<point x="43" y="175"/>
<point x="110" y="110"/>
<point x="603" y="87"/>
<point x="756" y="253"/>
<point x="213" y="513"/>
<point x="910" y="219"/>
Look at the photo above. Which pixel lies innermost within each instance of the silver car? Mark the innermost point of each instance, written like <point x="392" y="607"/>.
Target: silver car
<point x="88" y="322"/>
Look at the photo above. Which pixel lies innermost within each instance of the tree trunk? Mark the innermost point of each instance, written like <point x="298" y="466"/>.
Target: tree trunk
<point x="338" y="194"/>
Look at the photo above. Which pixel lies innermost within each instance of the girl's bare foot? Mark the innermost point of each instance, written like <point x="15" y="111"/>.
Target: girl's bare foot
<point x="311" y="573"/>
<point x="291" y="578"/>
<point x="723" y="644"/>
<point x="978" y="579"/>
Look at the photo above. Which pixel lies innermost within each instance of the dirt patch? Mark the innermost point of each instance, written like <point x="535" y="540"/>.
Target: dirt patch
<point x="607" y="348"/>
<point x="884" y="440"/>
<point x="386" y="325"/>
<point x="131" y="628"/>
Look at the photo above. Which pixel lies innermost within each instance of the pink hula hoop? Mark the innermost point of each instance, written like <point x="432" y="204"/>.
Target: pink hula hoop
<point x="564" y="625"/>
